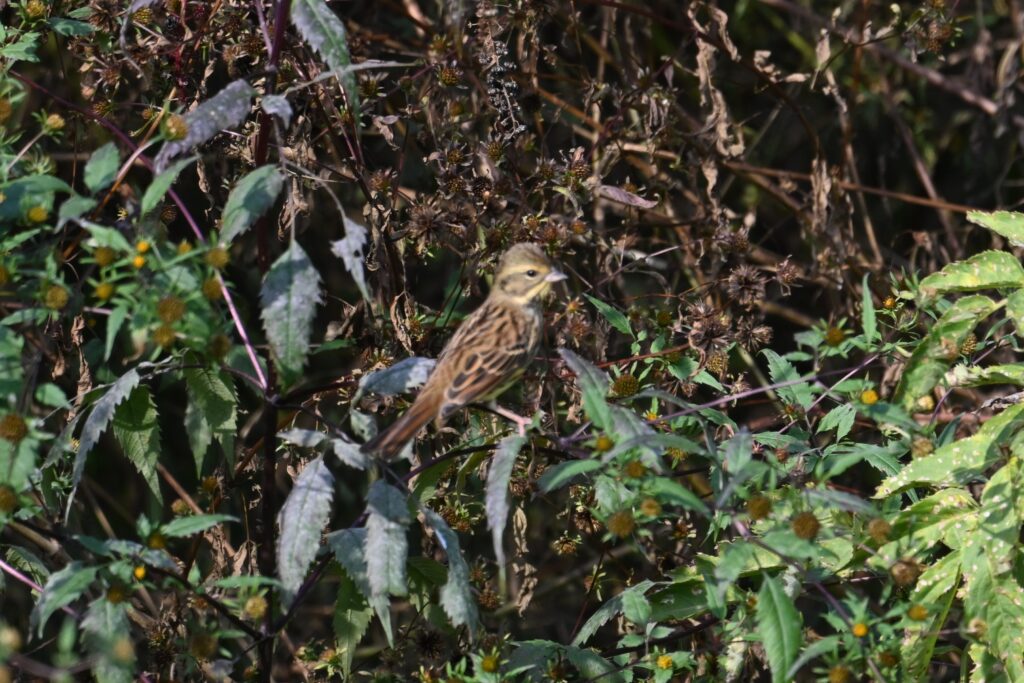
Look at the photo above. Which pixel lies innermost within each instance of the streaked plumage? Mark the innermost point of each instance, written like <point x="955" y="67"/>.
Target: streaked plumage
<point x="490" y="350"/>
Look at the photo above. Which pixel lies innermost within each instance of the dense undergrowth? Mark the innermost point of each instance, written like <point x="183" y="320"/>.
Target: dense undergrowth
<point x="776" y="435"/>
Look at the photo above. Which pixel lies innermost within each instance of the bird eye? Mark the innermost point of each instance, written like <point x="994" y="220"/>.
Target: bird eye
<point x="531" y="273"/>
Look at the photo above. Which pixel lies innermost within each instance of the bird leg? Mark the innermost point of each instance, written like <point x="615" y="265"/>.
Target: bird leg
<point x="521" y="422"/>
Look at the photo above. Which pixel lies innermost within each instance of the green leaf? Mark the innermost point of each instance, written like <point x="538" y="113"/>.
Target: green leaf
<point x="252" y="196"/>
<point x="104" y="624"/>
<point x="323" y="30"/>
<point x="781" y="370"/>
<point x="1015" y="310"/>
<point x="636" y="607"/>
<point x="386" y="542"/>
<point x="673" y="493"/>
<point x="226" y="109"/>
<point x="302" y="519"/>
<point x="61" y="589"/>
<point x="779" y="625"/>
<point x="349" y="546"/>
<point x="607" y="611"/>
<point x="868" y="318"/>
<point x="137" y="429"/>
<point x="211" y="414"/>
<point x="937" y="351"/>
<point x="193" y="524"/>
<point x="497" y="494"/>
<point x="1009" y="224"/>
<point x="564" y="472"/>
<point x="594" y="384"/>
<point x="290" y="294"/>
<point x="976" y="375"/>
<point x="987" y="270"/>
<point x="617" y="319"/>
<point x="73" y="207"/>
<point x="99" y="418"/>
<point x="154" y="194"/>
<point x="962" y="461"/>
<point x="23" y="48"/>
<point x="352" y="616"/>
<point x="456" y="595"/>
<point x="840" y="419"/>
<point x="101" y="169"/>
<point x="70" y="27"/>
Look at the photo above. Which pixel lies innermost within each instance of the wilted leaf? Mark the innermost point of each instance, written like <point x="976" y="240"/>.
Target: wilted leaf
<point x="617" y="194"/>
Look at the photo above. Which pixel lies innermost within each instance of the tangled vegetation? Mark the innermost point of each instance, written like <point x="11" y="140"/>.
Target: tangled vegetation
<point x="777" y="432"/>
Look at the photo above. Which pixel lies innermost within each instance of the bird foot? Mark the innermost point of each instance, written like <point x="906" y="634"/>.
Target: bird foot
<point x="521" y="422"/>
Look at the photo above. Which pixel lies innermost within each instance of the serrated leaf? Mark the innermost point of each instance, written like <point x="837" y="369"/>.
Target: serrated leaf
<point x="987" y="270"/>
<point x="1009" y="224"/>
<point x="636" y="607"/>
<point x="289" y="296"/>
<point x="325" y="33"/>
<point x="607" y="612"/>
<point x="781" y="370"/>
<point x="937" y="351"/>
<point x="350" y="453"/>
<point x="101" y="169"/>
<point x="405" y="375"/>
<point x="349" y="546"/>
<point x="350" y="250"/>
<point x="456" y="595"/>
<point x="564" y="472"/>
<point x="154" y="194"/>
<point x="840" y="419"/>
<point x="594" y="385"/>
<point x="137" y="429"/>
<point x="302" y="520"/>
<point x="962" y="461"/>
<point x="250" y="199"/>
<point x="352" y="616"/>
<point x="386" y="542"/>
<point x="867" y="315"/>
<point x="615" y="317"/>
<point x="779" y="625"/>
<point x="99" y="418"/>
<point x="226" y="109"/>
<point x="105" y="623"/>
<point x="184" y="527"/>
<point x="61" y="589"/>
<point x="211" y="414"/>
<point x="497" y="494"/>
<point x="114" y="321"/>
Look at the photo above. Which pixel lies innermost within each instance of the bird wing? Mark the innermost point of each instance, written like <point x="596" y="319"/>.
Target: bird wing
<point x="490" y="349"/>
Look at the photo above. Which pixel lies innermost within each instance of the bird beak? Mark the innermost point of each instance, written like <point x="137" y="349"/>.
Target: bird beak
<point x="555" y="276"/>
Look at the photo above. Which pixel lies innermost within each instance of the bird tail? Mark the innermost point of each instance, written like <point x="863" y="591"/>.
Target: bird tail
<point x="390" y="442"/>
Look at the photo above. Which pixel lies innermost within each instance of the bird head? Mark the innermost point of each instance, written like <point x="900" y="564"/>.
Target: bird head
<point x="525" y="273"/>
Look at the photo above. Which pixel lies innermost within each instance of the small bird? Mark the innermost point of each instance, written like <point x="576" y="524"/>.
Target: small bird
<point x="487" y="354"/>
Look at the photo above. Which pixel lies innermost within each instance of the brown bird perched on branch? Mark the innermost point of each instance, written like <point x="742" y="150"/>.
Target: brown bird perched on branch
<point x="487" y="354"/>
